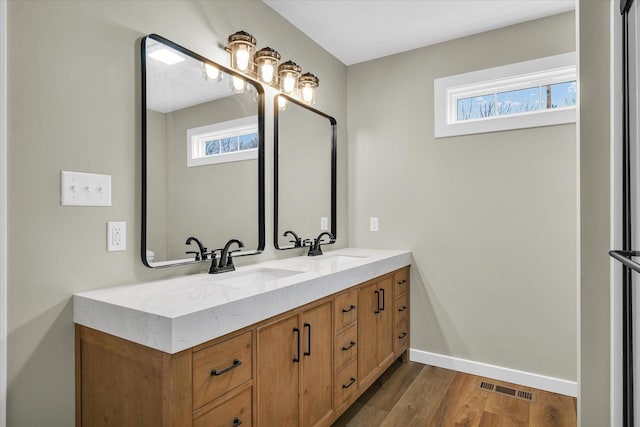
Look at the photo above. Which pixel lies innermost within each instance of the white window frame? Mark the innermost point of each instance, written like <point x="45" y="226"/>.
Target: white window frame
<point x="549" y="70"/>
<point x="197" y="136"/>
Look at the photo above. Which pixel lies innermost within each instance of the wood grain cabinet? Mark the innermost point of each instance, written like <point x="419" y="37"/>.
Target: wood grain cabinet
<point x="375" y="328"/>
<point x="295" y="365"/>
<point x="302" y="368"/>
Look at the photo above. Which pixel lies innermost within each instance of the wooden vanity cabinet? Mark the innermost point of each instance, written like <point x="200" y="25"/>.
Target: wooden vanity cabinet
<point x="375" y="328"/>
<point x="302" y="368"/>
<point x="295" y="366"/>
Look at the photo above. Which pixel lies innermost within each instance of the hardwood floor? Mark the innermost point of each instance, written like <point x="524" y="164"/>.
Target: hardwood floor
<point x="418" y="395"/>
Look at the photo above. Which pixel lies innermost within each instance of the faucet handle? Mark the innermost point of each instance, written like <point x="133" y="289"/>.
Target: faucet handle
<point x="229" y="257"/>
<point x="197" y="254"/>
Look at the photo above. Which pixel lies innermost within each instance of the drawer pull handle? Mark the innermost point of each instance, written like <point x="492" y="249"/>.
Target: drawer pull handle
<point x="236" y="363"/>
<point x="349" y="384"/>
<point x="346" y="310"/>
<point x="404" y="334"/>
<point x="351" y="344"/>
<point x="236" y="422"/>
<point x="403" y="308"/>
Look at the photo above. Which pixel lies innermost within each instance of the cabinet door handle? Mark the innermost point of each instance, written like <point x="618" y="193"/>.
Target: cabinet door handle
<point x="308" y="352"/>
<point x="382" y="292"/>
<point x="403" y="308"/>
<point x="296" y="359"/>
<point x="350" y="383"/>
<point x="377" y="302"/>
<point x="404" y="334"/>
<point x="234" y="365"/>
<point x="236" y="422"/>
<point x="346" y="310"/>
<point x="402" y="282"/>
<point x="351" y="344"/>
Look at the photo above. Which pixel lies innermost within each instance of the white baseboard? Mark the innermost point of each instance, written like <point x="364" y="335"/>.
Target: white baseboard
<point x="527" y="379"/>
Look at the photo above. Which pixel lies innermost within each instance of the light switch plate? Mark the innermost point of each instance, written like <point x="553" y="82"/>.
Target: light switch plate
<point x="85" y="189"/>
<point x="116" y="236"/>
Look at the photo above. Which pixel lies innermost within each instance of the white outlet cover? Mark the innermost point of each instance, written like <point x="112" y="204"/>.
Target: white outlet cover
<point x="84" y="189"/>
<point x="116" y="236"/>
<point x="373" y="223"/>
<point x="324" y="223"/>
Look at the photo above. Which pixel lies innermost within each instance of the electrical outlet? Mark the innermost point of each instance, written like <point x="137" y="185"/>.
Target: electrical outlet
<point x="324" y="223"/>
<point x="373" y="223"/>
<point x="116" y="236"/>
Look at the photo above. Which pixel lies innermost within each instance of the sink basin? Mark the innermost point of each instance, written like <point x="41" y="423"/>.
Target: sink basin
<point x="254" y="277"/>
<point x="342" y="259"/>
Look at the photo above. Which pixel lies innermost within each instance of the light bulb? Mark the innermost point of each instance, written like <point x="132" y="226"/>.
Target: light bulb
<point x="242" y="59"/>
<point x="267" y="72"/>
<point x="307" y="94"/>
<point x="282" y="103"/>
<point x="212" y="72"/>
<point x="238" y="84"/>
<point x="289" y="84"/>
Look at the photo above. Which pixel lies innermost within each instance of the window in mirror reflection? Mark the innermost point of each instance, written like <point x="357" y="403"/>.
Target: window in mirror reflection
<point x="229" y="141"/>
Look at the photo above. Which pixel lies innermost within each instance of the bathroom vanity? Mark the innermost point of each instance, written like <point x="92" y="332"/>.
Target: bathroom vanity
<point x="291" y="342"/>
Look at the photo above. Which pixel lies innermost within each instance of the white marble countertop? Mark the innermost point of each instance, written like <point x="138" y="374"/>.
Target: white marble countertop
<point x="175" y="314"/>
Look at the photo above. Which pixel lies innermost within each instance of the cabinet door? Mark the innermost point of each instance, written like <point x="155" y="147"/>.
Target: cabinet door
<point x="385" y="321"/>
<point x="278" y="375"/>
<point x="317" y="364"/>
<point x="368" y="298"/>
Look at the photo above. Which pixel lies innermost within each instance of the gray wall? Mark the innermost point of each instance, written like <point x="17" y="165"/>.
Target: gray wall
<point x="73" y="104"/>
<point x="594" y="122"/>
<point x="491" y="218"/>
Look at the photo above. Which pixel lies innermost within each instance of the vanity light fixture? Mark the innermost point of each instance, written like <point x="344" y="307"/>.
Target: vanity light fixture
<point x="242" y="46"/>
<point x="308" y="85"/>
<point x="211" y="73"/>
<point x="265" y="66"/>
<point x="289" y="73"/>
<point x="267" y="61"/>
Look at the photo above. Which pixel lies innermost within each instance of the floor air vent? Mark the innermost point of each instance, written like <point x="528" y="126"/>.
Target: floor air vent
<point x="507" y="391"/>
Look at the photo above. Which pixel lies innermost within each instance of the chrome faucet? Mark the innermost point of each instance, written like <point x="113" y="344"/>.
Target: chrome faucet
<point x="202" y="251"/>
<point x="226" y="262"/>
<point x="315" y="248"/>
<point x="297" y="242"/>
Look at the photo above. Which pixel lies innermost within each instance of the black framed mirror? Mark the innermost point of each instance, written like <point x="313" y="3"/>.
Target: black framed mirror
<point x="202" y="156"/>
<point x="304" y="169"/>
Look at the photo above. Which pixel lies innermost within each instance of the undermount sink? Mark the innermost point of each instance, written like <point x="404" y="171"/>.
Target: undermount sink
<point x="253" y="277"/>
<point x="342" y="259"/>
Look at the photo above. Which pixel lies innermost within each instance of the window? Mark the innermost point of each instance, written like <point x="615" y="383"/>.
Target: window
<point x="229" y="141"/>
<point x="535" y="93"/>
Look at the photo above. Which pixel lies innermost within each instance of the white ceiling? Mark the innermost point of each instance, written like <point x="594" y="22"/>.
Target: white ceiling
<point x="360" y="30"/>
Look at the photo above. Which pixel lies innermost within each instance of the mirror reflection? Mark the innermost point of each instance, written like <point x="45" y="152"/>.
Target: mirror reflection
<point x="202" y="157"/>
<point x="305" y="175"/>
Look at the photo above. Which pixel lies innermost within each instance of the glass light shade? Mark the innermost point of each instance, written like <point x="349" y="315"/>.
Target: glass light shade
<point x="211" y="73"/>
<point x="238" y="85"/>
<point x="289" y="73"/>
<point x="267" y="61"/>
<point x="308" y="85"/>
<point x="242" y="45"/>
<point x="282" y="103"/>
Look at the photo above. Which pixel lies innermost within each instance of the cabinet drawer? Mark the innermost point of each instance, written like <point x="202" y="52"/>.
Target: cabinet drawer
<point x="402" y="308"/>
<point x="401" y="279"/>
<point x="401" y="337"/>
<point x="232" y="413"/>
<point x="220" y="368"/>
<point x="346" y="309"/>
<point x="346" y="382"/>
<point x="346" y="346"/>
